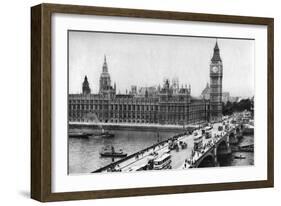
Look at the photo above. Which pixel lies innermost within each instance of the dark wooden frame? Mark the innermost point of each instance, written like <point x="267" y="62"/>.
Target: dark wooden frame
<point x="41" y="101"/>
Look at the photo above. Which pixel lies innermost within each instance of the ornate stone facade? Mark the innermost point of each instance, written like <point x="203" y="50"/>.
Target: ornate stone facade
<point x="165" y="107"/>
<point x="166" y="104"/>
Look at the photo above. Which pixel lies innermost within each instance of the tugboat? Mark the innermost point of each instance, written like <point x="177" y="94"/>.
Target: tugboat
<point x="110" y="152"/>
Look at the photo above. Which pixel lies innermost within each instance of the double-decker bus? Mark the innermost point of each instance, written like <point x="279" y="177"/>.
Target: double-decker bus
<point x="198" y="142"/>
<point x="163" y="162"/>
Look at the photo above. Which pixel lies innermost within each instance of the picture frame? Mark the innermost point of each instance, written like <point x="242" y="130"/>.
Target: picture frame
<point x="41" y="101"/>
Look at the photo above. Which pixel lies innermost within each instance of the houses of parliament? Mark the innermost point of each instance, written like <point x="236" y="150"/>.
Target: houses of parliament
<point x="167" y="104"/>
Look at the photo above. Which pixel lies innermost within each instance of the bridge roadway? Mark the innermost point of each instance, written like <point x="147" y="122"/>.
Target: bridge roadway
<point x="178" y="157"/>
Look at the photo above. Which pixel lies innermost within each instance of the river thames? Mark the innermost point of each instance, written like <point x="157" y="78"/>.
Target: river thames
<point x="84" y="154"/>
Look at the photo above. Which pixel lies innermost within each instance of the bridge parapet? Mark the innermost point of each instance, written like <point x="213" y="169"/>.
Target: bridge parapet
<point x="220" y="146"/>
<point x="214" y="147"/>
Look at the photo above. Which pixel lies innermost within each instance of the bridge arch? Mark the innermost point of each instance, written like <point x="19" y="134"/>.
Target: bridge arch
<point x="223" y="152"/>
<point x="232" y="138"/>
<point x="237" y="129"/>
<point x="207" y="161"/>
<point x="222" y="147"/>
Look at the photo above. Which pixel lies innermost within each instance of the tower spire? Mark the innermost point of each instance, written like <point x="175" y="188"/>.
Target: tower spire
<point x="104" y="67"/>
<point x="216" y="46"/>
<point x="85" y="86"/>
<point x="216" y="55"/>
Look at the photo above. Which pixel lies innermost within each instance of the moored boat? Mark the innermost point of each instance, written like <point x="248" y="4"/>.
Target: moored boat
<point x="104" y="134"/>
<point x="110" y="152"/>
<point x="78" y="135"/>
<point x="239" y="157"/>
<point x="247" y="148"/>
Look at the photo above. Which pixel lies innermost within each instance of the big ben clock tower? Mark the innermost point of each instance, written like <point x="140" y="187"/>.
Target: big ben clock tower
<point x="216" y="71"/>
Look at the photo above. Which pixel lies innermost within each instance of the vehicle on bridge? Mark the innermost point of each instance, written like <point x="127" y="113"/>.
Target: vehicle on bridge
<point x="220" y="128"/>
<point x="198" y="142"/>
<point x="183" y="144"/>
<point x="208" y="134"/>
<point x="163" y="162"/>
<point x="208" y="128"/>
<point x="195" y="132"/>
<point x="233" y="121"/>
<point x="173" y="144"/>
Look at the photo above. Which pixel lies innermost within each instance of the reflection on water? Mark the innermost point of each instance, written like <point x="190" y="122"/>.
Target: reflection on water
<point x="84" y="153"/>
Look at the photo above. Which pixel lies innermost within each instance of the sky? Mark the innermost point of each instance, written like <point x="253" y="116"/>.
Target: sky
<point x="146" y="60"/>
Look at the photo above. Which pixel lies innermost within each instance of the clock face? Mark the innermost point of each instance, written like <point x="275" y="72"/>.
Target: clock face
<point x="215" y="69"/>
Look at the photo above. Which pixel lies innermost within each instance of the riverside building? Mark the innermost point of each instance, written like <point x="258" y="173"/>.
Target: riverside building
<point x="166" y="104"/>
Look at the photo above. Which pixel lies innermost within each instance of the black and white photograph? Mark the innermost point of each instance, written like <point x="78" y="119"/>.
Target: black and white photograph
<point x="146" y="102"/>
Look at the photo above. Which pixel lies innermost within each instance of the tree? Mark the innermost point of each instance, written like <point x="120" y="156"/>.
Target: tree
<point x="230" y="107"/>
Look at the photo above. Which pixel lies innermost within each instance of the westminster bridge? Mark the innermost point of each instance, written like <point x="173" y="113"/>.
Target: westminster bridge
<point x="223" y="134"/>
